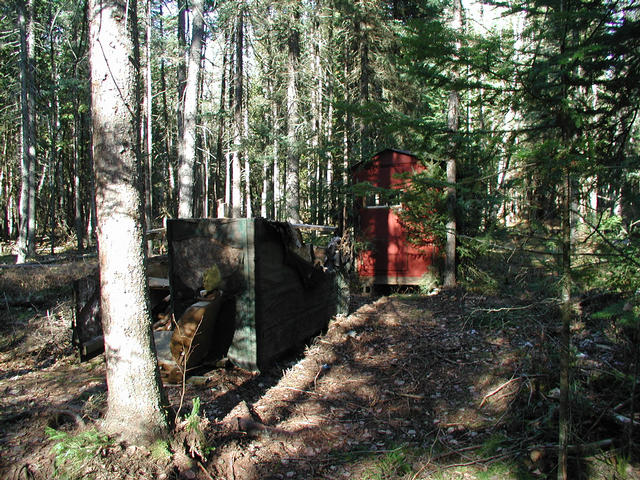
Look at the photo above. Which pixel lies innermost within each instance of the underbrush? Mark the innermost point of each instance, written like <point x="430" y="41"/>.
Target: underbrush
<point x="605" y="333"/>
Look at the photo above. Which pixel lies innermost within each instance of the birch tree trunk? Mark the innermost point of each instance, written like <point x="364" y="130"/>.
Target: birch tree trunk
<point x="187" y="142"/>
<point x="134" y="409"/>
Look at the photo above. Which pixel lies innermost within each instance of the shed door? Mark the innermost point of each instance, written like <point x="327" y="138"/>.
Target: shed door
<point x="383" y="232"/>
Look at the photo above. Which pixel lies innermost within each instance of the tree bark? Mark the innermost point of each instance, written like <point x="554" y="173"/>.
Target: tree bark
<point x="26" y="239"/>
<point x="277" y="171"/>
<point x="364" y="88"/>
<point x="453" y="114"/>
<point x="54" y="126"/>
<point x="565" y="336"/>
<point x="248" y="208"/>
<point x="135" y="397"/>
<point x="292" y="181"/>
<point x="220" y="156"/>
<point x="181" y="70"/>
<point x="187" y="142"/>
<point x="236" y="169"/>
<point x="148" y="124"/>
<point x="77" y="197"/>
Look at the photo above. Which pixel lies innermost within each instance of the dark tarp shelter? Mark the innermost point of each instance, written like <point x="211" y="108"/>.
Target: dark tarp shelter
<point x="275" y="298"/>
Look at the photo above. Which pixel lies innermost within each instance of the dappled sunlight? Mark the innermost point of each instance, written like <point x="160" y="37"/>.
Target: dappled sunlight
<point x="390" y="378"/>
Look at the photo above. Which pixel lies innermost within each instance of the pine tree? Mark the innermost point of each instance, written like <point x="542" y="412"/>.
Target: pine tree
<point x="135" y="396"/>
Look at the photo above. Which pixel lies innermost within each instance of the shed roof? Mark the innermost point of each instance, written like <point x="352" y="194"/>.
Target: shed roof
<point x="363" y="163"/>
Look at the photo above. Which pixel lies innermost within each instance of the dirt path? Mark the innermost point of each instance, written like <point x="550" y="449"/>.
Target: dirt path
<point x="444" y="386"/>
<point x="374" y="393"/>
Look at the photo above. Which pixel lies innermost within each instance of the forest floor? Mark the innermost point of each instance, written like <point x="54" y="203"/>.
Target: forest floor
<point x="456" y="385"/>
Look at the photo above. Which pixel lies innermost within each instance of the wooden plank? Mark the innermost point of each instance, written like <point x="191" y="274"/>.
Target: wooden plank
<point x="155" y="282"/>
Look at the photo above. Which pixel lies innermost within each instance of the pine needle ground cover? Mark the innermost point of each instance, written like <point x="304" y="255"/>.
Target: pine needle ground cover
<point x="455" y="385"/>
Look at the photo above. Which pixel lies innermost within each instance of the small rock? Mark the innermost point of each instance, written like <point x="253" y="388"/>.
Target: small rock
<point x="291" y="474"/>
<point x="189" y="474"/>
<point x="555" y="393"/>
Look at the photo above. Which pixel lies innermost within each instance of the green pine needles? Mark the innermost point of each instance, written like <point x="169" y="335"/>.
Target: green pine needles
<point x="72" y="451"/>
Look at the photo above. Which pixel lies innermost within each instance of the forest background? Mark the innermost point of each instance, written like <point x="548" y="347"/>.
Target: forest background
<point x="525" y="114"/>
<point x="257" y="108"/>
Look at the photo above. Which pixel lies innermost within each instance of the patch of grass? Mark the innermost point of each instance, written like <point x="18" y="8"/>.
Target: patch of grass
<point x="493" y="444"/>
<point x="160" y="450"/>
<point x="502" y="471"/>
<point x="392" y="464"/>
<point x="73" y="451"/>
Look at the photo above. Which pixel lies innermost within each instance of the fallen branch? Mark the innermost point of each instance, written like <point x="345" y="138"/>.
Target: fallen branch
<point x="502" y="309"/>
<point x="577" y="449"/>
<point x="479" y="461"/>
<point x="204" y="470"/>
<point x="300" y="390"/>
<point x="408" y="395"/>
<point x="498" y="389"/>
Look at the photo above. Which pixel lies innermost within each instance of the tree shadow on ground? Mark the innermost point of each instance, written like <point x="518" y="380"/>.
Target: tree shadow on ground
<point x="409" y="385"/>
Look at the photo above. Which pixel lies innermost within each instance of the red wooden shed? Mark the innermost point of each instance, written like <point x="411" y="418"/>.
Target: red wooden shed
<point x="388" y="258"/>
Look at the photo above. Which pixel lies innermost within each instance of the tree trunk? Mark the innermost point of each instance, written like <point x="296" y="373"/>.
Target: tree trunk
<point x="26" y="240"/>
<point x="292" y="181"/>
<point x="451" y="228"/>
<point x="77" y="197"/>
<point x="169" y="196"/>
<point x="236" y="169"/>
<point x="266" y="197"/>
<point x="565" y="336"/>
<point x="277" y="172"/>
<point x="135" y="396"/>
<point x="187" y="142"/>
<point x="346" y="141"/>
<point x="331" y="196"/>
<point x="181" y="70"/>
<point x="220" y="156"/>
<point x="54" y="126"/>
<point x="453" y="113"/>
<point x="564" y="418"/>
<point x="248" y="212"/>
<point x="364" y="89"/>
<point x="148" y="133"/>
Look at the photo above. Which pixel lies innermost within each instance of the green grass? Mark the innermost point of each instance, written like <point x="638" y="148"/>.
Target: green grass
<point x="391" y="464"/>
<point x="160" y="450"/>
